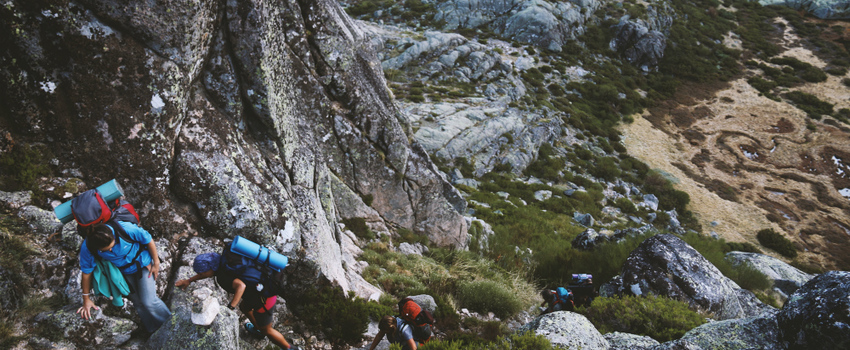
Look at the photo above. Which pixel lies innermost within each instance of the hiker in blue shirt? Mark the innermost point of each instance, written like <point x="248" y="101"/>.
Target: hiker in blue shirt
<point x="397" y="332"/>
<point x="138" y="261"/>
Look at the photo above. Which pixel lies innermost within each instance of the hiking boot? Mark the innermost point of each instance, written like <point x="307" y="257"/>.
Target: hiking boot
<point x="253" y="330"/>
<point x="292" y="347"/>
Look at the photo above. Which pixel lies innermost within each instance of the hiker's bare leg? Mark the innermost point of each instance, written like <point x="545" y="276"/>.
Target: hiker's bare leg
<point x="250" y="315"/>
<point x="274" y="336"/>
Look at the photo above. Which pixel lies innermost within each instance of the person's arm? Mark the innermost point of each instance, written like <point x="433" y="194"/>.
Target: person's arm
<point x="239" y="287"/>
<point x="377" y="340"/>
<point x="154" y="266"/>
<point x="185" y="283"/>
<point x="85" y="310"/>
<point x="411" y="344"/>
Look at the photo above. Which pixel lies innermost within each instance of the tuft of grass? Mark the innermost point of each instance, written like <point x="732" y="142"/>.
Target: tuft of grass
<point x="8" y="339"/>
<point x="13" y="251"/>
<point x="516" y="341"/>
<point x="660" y="318"/>
<point x="410" y="237"/>
<point x="488" y="296"/>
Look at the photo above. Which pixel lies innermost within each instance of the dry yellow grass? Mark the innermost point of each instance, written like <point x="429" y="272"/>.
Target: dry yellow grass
<point x="751" y="143"/>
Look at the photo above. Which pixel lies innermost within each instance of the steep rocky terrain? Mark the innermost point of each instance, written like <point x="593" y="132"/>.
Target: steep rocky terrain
<point x="247" y="126"/>
<point x="333" y="138"/>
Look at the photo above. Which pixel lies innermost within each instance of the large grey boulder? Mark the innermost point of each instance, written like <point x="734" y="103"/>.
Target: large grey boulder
<point x="180" y="332"/>
<point x="786" y="278"/>
<point x="640" y="46"/>
<point x="585" y="220"/>
<point x="665" y="265"/>
<point x="588" y="239"/>
<point x="628" y="341"/>
<point x="15" y="200"/>
<point x="435" y="44"/>
<point x="817" y="316"/>
<point x="40" y="221"/>
<point x="823" y="9"/>
<point x="567" y="330"/>
<point x="47" y="272"/>
<point x="759" y="332"/>
<point x="425" y="301"/>
<point x="542" y="23"/>
<point x="100" y="331"/>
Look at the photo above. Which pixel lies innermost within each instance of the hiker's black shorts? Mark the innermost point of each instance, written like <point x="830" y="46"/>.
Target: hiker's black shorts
<point x="261" y="319"/>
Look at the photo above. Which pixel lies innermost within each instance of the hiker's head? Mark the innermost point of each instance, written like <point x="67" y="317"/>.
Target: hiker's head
<point x="548" y="295"/>
<point x="387" y="324"/>
<point x="100" y="237"/>
<point x="206" y="262"/>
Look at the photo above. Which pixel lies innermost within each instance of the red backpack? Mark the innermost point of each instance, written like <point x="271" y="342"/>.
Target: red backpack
<point x="419" y="320"/>
<point x="89" y="209"/>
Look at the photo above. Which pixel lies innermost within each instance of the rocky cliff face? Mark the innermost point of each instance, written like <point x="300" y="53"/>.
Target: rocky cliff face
<point x="223" y="118"/>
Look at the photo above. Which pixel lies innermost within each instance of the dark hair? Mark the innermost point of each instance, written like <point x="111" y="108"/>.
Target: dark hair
<point x="387" y="324"/>
<point x="547" y="294"/>
<point x="101" y="236"/>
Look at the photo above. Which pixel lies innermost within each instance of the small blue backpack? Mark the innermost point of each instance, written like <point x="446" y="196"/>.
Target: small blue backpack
<point x="564" y="295"/>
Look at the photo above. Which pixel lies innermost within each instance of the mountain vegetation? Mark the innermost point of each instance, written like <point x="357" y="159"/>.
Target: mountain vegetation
<point x="484" y="165"/>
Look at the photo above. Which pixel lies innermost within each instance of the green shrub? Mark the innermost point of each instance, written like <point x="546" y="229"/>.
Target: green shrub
<point x="668" y="197"/>
<point x="660" y="318"/>
<point x="367" y="199"/>
<point x="410" y="237"/>
<point x="489" y="296"/>
<point x="7" y="338"/>
<point x="606" y="168"/>
<point x="625" y="205"/>
<point x="464" y="166"/>
<point x="777" y="242"/>
<point x="836" y="71"/>
<point x="326" y="310"/>
<point x="23" y="166"/>
<point x="13" y="251"/>
<point x="748" y="277"/>
<point x="376" y="310"/>
<point x="522" y="341"/>
<point x="359" y="228"/>
<point x="793" y="62"/>
<point x="813" y="75"/>
<point x="763" y="86"/>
